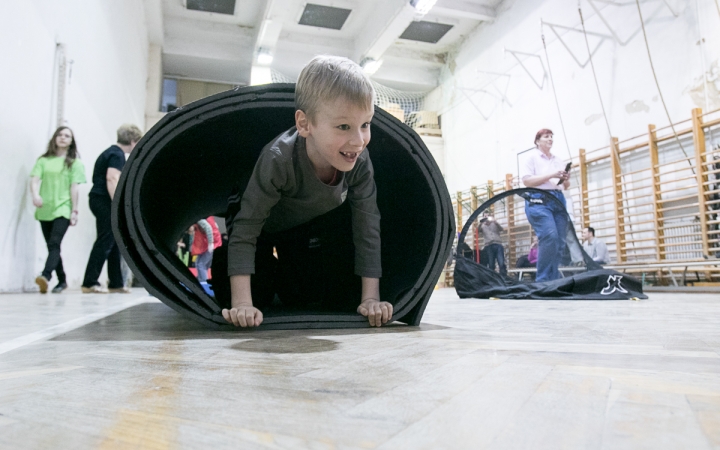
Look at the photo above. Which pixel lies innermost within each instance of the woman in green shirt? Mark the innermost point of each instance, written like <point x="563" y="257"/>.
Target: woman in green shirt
<point x="54" y="186"/>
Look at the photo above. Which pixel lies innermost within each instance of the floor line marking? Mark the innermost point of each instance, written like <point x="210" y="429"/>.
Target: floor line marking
<point x="49" y="333"/>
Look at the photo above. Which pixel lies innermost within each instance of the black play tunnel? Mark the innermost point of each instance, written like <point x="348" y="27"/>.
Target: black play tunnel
<point x="186" y="166"/>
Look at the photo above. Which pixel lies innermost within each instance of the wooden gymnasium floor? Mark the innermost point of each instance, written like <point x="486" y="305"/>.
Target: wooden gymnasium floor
<point x="124" y="371"/>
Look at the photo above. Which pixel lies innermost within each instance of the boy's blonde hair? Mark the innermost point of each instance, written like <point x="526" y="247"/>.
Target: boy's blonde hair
<point x="128" y="133"/>
<point x="327" y="78"/>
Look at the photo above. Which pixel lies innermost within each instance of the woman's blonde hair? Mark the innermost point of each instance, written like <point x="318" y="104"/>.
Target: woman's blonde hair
<point x="128" y="133"/>
<point x="327" y="78"/>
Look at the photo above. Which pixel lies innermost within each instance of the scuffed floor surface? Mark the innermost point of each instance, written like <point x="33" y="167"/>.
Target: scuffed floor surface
<point x="124" y="371"/>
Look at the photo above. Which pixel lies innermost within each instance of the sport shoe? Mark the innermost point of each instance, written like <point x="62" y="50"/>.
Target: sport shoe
<point x="94" y="290"/>
<point x="43" y="283"/>
<point x="59" y="288"/>
<point x="122" y="290"/>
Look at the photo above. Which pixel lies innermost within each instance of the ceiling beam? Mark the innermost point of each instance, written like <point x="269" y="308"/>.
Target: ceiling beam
<point x="463" y="10"/>
<point x="385" y="25"/>
<point x="207" y="40"/>
<point x="410" y="56"/>
<point x="270" y="26"/>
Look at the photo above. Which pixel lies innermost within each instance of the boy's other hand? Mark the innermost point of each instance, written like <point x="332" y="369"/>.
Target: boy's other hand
<point x="243" y="316"/>
<point x="376" y="311"/>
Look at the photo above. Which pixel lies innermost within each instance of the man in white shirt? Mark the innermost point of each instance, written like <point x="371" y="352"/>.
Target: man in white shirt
<point x="594" y="247"/>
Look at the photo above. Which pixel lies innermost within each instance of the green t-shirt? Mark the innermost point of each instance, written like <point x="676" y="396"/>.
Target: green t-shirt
<point x="56" y="179"/>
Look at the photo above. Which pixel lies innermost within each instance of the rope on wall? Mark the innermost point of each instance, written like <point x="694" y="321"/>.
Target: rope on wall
<point x="657" y="84"/>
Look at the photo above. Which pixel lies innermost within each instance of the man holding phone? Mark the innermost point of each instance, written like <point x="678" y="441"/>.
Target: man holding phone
<point x="543" y="170"/>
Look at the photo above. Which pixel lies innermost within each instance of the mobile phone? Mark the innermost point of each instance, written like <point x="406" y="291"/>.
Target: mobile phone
<point x="567" y="169"/>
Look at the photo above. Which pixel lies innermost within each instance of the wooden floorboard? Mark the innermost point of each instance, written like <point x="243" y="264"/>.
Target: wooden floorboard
<point x="477" y="374"/>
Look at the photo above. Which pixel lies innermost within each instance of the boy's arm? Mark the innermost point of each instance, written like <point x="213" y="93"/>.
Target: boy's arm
<point x="371" y="307"/>
<point x="242" y="313"/>
<point x="362" y="196"/>
<point x="261" y="194"/>
<point x="366" y="237"/>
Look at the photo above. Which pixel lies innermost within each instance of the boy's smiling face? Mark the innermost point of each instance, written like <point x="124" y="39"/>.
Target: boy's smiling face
<point x="336" y="136"/>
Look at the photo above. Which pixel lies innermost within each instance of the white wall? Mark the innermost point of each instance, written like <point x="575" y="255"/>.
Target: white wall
<point x="108" y="45"/>
<point x="478" y="149"/>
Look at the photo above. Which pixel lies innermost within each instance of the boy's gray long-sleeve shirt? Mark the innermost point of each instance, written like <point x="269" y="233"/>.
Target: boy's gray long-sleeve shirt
<point x="284" y="192"/>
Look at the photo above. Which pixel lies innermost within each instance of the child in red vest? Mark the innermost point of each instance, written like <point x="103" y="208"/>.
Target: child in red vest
<point x="206" y="239"/>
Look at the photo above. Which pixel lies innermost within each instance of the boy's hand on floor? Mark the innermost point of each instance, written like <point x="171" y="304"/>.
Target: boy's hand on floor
<point x="376" y="311"/>
<point x="243" y="316"/>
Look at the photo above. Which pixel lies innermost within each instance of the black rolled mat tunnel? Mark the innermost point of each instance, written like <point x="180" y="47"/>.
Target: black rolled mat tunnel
<point x="185" y="167"/>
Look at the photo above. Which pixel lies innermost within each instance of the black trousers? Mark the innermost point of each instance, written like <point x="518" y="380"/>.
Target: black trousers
<point x="104" y="248"/>
<point x="54" y="231"/>
<point x="524" y="262"/>
<point x="313" y="271"/>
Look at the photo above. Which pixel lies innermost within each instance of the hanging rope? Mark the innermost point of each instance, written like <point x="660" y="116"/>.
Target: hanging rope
<point x="657" y="84"/>
<point x="597" y="85"/>
<point x="613" y="148"/>
<point x="557" y="105"/>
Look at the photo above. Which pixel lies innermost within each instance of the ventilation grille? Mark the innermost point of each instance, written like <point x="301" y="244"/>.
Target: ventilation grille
<point x="213" y="6"/>
<point x="421" y="31"/>
<point x="324" y="16"/>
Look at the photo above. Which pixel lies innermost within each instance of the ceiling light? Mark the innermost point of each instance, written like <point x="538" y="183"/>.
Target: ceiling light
<point x="370" y="65"/>
<point x="264" y="57"/>
<point x="423" y="6"/>
<point x="260" y="75"/>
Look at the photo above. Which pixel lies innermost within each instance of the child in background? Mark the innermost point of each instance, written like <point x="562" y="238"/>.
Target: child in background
<point x="206" y="238"/>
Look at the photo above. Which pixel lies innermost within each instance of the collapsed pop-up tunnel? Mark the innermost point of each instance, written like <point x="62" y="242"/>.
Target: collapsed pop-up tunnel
<point x="186" y="166"/>
<point x="581" y="277"/>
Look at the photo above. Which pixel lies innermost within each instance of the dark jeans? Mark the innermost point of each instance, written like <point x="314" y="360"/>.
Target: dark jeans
<point x="524" y="262"/>
<point x="549" y="220"/>
<point x="104" y="248"/>
<point x="203" y="262"/>
<point x="54" y="231"/>
<point x="496" y="253"/>
<point x="314" y="268"/>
